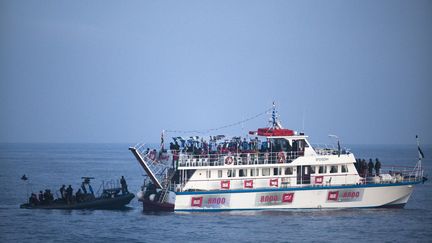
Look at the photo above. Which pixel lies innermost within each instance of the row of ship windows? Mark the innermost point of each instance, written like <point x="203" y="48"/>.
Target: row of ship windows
<point x="277" y="171"/>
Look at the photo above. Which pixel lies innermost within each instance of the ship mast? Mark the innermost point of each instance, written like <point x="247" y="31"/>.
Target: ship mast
<point x="276" y="124"/>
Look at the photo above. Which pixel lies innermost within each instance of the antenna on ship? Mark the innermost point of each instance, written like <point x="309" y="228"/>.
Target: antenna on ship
<point x="275" y="121"/>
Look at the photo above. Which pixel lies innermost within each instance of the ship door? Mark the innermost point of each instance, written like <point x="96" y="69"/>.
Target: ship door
<point x="303" y="174"/>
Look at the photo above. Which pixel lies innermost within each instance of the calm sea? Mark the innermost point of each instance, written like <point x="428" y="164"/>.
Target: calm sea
<point x="51" y="165"/>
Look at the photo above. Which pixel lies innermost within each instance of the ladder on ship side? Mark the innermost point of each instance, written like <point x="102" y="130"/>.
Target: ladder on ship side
<point x="166" y="186"/>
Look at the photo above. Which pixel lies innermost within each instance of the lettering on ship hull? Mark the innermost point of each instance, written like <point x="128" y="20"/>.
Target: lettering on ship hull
<point x="273" y="198"/>
<point x="347" y="195"/>
<point x="211" y="201"/>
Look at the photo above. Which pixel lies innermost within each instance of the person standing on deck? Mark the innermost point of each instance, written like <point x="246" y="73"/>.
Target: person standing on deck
<point x="41" y="197"/>
<point x="377" y="167"/>
<point x="370" y="167"/>
<point x="123" y="185"/>
<point x="69" y="193"/>
<point x="62" y="192"/>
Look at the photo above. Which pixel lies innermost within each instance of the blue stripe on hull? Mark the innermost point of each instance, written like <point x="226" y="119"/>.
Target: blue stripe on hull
<point x="296" y="188"/>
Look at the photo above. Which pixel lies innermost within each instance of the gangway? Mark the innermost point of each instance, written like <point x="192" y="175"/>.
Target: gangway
<point x="146" y="167"/>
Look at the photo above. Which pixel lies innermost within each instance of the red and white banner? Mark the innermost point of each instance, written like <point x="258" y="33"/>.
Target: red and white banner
<point x="288" y="197"/>
<point x="196" y="201"/>
<point x="333" y="196"/>
<point x="248" y="184"/>
<point x="225" y="184"/>
<point x="319" y="179"/>
<point x="274" y="182"/>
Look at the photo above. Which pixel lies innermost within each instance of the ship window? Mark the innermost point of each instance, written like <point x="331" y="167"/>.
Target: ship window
<point x="344" y="168"/>
<point x="333" y="169"/>
<point x="266" y="171"/>
<point x="231" y="173"/>
<point x="208" y="173"/>
<point x="219" y="173"/>
<point x="276" y="171"/>
<point x="242" y="173"/>
<point x="322" y="169"/>
<point x="254" y="172"/>
<point x="312" y="169"/>
<point x="288" y="171"/>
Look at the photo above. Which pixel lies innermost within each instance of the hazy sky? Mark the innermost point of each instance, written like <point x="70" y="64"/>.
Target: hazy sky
<point x="121" y="71"/>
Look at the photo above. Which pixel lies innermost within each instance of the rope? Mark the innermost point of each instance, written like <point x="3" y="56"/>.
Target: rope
<point x="204" y="131"/>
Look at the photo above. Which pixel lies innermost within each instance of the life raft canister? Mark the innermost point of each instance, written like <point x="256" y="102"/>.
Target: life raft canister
<point x="281" y="157"/>
<point x="228" y="160"/>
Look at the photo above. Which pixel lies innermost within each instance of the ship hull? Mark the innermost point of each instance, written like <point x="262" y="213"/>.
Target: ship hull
<point x="394" y="195"/>
<point x="150" y="206"/>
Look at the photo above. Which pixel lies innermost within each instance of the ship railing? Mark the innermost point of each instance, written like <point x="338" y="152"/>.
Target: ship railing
<point x="252" y="158"/>
<point x="157" y="161"/>
<point x="328" y="149"/>
<point x="392" y="174"/>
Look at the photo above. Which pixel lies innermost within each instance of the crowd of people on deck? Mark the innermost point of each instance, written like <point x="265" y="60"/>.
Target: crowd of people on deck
<point x="217" y="144"/>
<point x="220" y="145"/>
<point x="366" y="169"/>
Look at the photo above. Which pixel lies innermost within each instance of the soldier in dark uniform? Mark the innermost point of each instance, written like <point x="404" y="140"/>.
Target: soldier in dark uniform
<point x="370" y="167"/>
<point x="41" y="197"/>
<point x="356" y="165"/>
<point x="62" y="192"/>
<point x="364" y="168"/>
<point x="123" y="185"/>
<point x="377" y="167"/>
<point x="69" y="193"/>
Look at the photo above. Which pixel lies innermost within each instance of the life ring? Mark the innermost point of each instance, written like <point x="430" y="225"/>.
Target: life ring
<point x="229" y="160"/>
<point x="152" y="155"/>
<point x="281" y="157"/>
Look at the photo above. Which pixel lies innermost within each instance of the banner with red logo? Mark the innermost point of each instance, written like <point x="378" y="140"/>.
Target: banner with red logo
<point x="288" y="197"/>
<point x="248" y="184"/>
<point x="225" y="184"/>
<point x="274" y="182"/>
<point x="333" y="196"/>
<point x="196" y="201"/>
<point x="319" y="179"/>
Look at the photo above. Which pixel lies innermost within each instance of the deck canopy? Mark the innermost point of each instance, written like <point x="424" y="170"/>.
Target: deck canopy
<point x="273" y="132"/>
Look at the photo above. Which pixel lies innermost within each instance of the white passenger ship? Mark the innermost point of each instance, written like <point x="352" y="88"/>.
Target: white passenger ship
<point x="284" y="172"/>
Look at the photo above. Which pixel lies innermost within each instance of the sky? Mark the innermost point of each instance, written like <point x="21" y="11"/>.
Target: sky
<point x="123" y="71"/>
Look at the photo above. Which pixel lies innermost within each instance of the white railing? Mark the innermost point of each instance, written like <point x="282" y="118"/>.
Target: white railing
<point x="326" y="149"/>
<point x="392" y="174"/>
<point x="152" y="159"/>
<point x="254" y="158"/>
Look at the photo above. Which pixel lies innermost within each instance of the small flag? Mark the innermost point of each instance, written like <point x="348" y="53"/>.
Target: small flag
<point x="162" y="140"/>
<point x="421" y="155"/>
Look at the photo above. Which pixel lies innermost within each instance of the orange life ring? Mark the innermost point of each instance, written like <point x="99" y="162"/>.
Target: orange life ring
<point x="281" y="157"/>
<point x="228" y="160"/>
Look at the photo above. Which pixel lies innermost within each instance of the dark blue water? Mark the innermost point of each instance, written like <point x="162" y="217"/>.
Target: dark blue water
<point x="50" y="165"/>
